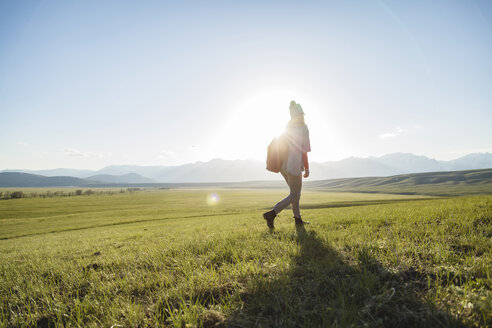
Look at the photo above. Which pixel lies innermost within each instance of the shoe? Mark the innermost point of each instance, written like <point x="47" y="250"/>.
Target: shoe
<point x="269" y="217"/>
<point x="299" y="221"/>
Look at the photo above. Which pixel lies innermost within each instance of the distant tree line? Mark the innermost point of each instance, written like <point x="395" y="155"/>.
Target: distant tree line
<point x="60" y="193"/>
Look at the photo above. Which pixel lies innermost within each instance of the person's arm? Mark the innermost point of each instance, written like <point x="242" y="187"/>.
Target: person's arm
<point x="306" y="164"/>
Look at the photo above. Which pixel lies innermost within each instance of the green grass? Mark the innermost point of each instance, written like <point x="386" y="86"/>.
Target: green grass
<point x="166" y="258"/>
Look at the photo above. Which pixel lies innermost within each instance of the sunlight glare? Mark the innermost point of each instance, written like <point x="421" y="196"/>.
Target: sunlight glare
<point x="212" y="199"/>
<point x="255" y="121"/>
<point x="263" y="115"/>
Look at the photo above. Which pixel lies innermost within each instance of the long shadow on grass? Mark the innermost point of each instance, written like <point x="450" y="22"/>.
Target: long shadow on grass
<point x="321" y="290"/>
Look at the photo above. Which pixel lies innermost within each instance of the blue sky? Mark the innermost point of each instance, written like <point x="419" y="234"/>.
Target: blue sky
<point x="85" y="84"/>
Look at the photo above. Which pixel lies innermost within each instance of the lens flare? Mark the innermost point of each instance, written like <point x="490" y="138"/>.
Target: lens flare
<point x="212" y="199"/>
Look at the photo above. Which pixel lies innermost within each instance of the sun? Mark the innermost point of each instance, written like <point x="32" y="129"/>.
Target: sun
<point x="258" y="117"/>
<point x="255" y="121"/>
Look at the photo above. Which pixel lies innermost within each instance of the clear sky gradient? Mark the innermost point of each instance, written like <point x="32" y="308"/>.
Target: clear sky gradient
<point x="85" y="84"/>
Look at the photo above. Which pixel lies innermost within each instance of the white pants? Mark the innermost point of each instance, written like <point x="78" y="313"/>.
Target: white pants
<point x="295" y="185"/>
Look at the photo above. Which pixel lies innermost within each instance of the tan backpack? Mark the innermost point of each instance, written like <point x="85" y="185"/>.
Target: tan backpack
<point x="276" y="154"/>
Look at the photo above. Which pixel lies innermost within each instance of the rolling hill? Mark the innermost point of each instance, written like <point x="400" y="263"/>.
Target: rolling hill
<point x="434" y="183"/>
<point x="19" y="179"/>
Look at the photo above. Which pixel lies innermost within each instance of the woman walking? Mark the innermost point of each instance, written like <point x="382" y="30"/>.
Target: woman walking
<point x="297" y="137"/>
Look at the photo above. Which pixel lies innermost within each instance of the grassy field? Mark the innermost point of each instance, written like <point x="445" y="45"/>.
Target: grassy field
<point x="170" y="258"/>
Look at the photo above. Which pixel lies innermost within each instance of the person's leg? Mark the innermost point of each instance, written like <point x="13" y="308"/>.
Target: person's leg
<point x="270" y="215"/>
<point x="295" y="184"/>
<point x="287" y="200"/>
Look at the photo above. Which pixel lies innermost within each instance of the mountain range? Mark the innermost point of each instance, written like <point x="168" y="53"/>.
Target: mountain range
<point x="219" y="170"/>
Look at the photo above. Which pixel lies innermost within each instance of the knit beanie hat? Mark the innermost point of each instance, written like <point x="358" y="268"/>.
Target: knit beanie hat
<point x="295" y="109"/>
